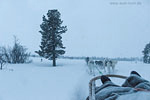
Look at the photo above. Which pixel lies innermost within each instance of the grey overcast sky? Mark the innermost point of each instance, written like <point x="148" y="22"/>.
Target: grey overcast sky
<point x="95" y="27"/>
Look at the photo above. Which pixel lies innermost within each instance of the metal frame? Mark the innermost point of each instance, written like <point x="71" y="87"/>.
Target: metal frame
<point x="92" y="84"/>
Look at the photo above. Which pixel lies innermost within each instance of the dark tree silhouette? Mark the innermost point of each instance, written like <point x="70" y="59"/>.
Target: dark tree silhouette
<point x="51" y="30"/>
<point x="146" y="53"/>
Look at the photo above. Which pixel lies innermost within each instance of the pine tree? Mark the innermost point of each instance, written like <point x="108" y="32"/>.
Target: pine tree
<point x="146" y="52"/>
<point x="51" y="42"/>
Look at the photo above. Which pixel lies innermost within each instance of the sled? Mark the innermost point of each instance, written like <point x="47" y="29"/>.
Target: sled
<point x="92" y="85"/>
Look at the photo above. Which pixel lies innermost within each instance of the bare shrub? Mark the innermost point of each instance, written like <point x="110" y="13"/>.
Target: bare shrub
<point x="16" y="54"/>
<point x="2" y="58"/>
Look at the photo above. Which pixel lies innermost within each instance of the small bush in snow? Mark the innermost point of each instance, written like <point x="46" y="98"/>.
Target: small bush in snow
<point x="2" y="58"/>
<point x="16" y="54"/>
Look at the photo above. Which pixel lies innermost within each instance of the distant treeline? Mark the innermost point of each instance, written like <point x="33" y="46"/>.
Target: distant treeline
<point x="99" y="58"/>
<point x="102" y="58"/>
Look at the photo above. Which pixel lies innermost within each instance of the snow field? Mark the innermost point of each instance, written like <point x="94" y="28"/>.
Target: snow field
<point x="68" y="81"/>
<point x="40" y="81"/>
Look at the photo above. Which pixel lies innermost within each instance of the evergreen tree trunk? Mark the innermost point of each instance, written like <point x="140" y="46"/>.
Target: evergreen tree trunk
<point x="54" y="60"/>
<point x="54" y="56"/>
<point x="1" y="66"/>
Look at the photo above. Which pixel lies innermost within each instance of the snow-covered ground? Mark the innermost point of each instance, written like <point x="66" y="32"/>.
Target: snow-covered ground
<point x="68" y="81"/>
